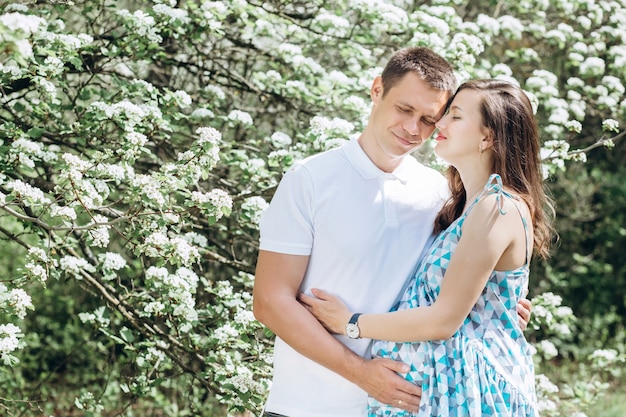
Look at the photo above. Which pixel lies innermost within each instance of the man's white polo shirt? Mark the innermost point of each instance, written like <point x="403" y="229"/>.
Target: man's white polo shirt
<point x="364" y="230"/>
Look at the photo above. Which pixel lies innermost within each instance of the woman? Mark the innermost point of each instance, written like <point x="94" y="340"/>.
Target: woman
<point x="460" y="332"/>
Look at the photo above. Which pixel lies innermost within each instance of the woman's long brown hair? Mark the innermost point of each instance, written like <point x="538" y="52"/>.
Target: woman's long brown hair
<point x="508" y="116"/>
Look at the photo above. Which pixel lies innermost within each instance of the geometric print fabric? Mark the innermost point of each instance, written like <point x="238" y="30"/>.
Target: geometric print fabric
<point x="486" y="367"/>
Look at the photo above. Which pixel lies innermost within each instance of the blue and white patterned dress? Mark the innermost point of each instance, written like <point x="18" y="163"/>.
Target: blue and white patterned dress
<point x="486" y="367"/>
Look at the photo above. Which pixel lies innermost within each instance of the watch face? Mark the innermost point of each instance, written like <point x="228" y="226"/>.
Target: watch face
<point x="352" y="330"/>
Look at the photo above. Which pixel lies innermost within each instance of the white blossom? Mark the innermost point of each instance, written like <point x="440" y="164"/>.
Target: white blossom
<point x="610" y="125"/>
<point x="240" y="116"/>
<point x="574" y="126"/>
<point x="225" y="332"/>
<point x="209" y="135"/>
<point x="196" y="239"/>
<point x="112" y="261"/>
<point x="20" y="301"/>
<point x="136" y="138"/>
<point x="100" y="233"/>
<point x="254" y="207"/>
<point x="65" y="212"/>
<point x="592" y="66"/>
<point x="36" y="271"/>
<point x="511" y="27"/>
<point x="548" y="349"/>
<point x="9" y="338"/>
<point x="26" y="192"/>
<point x="151" y="188"/>
<point x="143" y="24"/>
<point x="215" y="91"/>
<point x="173" y="14"/>
<point x="182" y="98"/>
<point x="21" y="22"/>
<point x="244" y="317"/>
<point x="280" y="139"/>
<point x="75" y="266"/>
<point x="202" y="113"/>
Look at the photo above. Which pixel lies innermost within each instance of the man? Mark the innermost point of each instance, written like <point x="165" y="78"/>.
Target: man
<point x="353" y="221"/>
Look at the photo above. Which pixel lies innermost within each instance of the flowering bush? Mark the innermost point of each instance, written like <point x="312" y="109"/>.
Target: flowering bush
<point x="139" y="147"/>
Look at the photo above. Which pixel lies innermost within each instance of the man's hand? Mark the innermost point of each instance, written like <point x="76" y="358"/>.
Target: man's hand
<point x="524" y="308"/>
<point x="379" y="378"/>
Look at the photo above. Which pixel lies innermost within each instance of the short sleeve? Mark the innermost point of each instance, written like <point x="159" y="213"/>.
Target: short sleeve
<point x="287" y="224"/>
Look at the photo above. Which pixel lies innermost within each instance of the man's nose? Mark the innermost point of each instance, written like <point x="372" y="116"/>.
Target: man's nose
<point x="412" y="127"/>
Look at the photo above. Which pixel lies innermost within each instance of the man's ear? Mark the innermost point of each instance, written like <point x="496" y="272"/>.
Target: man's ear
<point x="376" y="92"/>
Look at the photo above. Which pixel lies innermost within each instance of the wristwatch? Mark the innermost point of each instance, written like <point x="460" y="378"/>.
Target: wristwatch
<point x="352" y="328"/>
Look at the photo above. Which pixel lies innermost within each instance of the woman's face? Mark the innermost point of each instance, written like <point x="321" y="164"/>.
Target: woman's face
<point x="462" y="134"/>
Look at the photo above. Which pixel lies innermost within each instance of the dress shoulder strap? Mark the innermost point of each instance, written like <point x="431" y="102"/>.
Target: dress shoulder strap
<point x="494" y="186"/>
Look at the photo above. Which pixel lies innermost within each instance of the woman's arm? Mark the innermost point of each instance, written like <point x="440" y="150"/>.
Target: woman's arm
<point x="488" y="240"/>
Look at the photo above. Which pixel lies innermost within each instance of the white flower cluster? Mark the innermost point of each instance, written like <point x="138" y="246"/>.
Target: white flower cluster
<point x="609" y="92"/>
<point x="280" y="140"/>
<point x="240" y="116"/>
<point x="38" y="264"/>
<point x="547" y="308"/>
<point x="215" y="202"/>
<point x="10" y="336"/>
<point x="15" y="300"/>
<point x="202" y="113"/>
<point x="605" y="354"/>
<point x="75" y="266"/>
<point x="464" y="48"/>
<point x="331" y="24"/>
<point x="215" y="92"/>
<point x="213" y="13"/>
<point x="574" y="126"/>
<point x="610" y="125"/>
<point x="129" y="113"/>
<point x="225" y="333"/>
<point x="181" y="98"/>
<point x="29" y="195"/>
<point x="253" y="208"/>
<point x="71" y="43"/>
<point x="209" y="135"/>
<point x="592" y="67"/>
<point x="194" y="238"/>
<point x="511" y="27"/>
<point x="269" y="80"/>
<point x="25" y="151"/>
<point x="99" y="232"/>
<point x="176" y="249"/>
<point x="577" y="104"/>
<point x="142" y="24"/>
<point x="546" y="390"/>
<point x="387" y="15"/>
<point x="244" y="382"/>
<point x="22" y="22"/>
<point x="150" y="188"/>
<point x="171" y="14"/>
<point x="111" y="262"/>
<point x="547" y="349"/>
<point x="177" y="294"/>
<point x="92" y="191"/>
<point x="329" y="133"/>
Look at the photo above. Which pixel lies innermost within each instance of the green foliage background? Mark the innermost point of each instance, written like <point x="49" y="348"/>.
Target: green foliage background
<point x="125" y="86"/>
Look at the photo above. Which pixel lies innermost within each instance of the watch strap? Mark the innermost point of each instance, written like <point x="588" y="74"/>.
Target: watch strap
<point x="354" y="318"/>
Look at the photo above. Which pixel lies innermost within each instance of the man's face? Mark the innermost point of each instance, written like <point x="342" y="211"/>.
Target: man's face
<point x="405" y="117"/>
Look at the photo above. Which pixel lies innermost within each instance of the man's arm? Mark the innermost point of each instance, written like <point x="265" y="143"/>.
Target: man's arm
<point x="277" y="281"/>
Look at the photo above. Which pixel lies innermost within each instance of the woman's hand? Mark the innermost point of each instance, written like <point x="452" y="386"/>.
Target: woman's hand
<point x="328" y="309"/>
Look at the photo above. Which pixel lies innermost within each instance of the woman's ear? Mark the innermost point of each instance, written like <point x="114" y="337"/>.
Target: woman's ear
<point x="487" y="141"/>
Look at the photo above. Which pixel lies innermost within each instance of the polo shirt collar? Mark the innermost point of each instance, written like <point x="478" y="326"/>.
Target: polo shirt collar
<point x="366" y="168"/>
